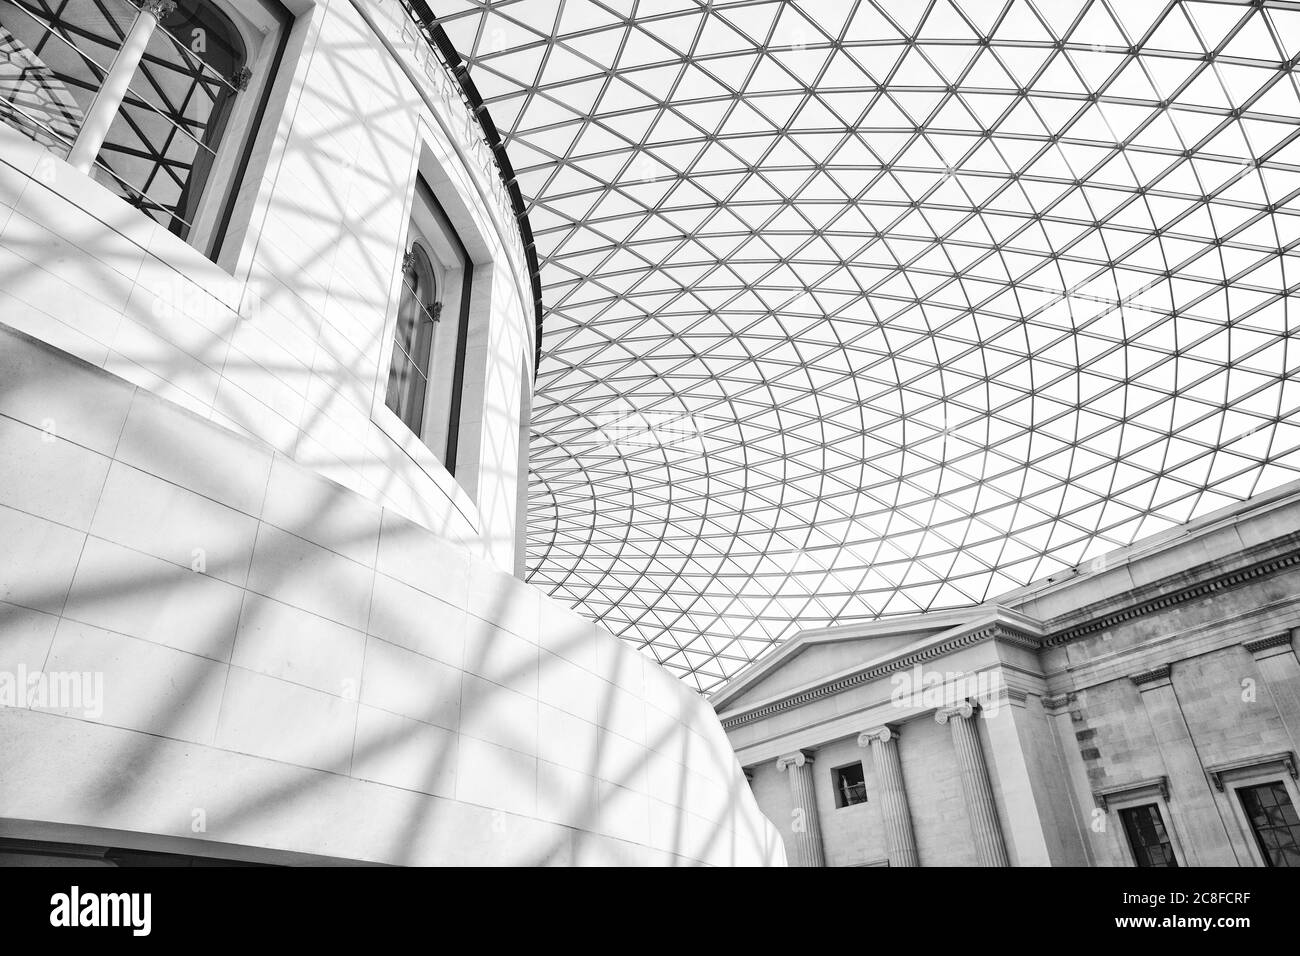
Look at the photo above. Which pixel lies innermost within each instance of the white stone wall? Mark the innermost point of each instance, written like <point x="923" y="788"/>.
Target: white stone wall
<point x="333" y="680"/>
<point x="308" y="633"/>
<point x="286" y="346"/>
<point x="933" y="781"/>
<point x="854" y="835"/>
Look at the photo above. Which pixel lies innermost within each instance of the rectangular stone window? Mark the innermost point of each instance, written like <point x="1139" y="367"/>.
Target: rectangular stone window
<point x="850" y="785"/>
<point x="1147" y="836"/>
<point x="1273" y="820"/>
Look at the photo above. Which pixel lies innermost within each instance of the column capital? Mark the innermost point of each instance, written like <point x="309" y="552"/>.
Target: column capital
<point x="807" y="837"/>
<point x="161" y="9"/>
<point x="1149" y="680"/>
<point x="796" y="759"/>
<point x="976" y="787"/>
<point x="965" y="711"/>
<point x="883" y="734"/>
<point x="1061" y="703"/>
<point x="1269" y="646"/>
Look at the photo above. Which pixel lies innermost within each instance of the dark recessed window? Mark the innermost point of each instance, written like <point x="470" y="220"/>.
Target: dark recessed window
<point x="1147" y="836"/>
<point x="1273" y="817"/>
<point x="850" y="785"/>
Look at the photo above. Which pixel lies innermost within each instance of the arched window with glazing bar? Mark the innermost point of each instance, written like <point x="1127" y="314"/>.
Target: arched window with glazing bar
<point x="158" y="100"/>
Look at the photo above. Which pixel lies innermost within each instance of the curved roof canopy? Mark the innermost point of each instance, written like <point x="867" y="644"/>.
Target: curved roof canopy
<point x="865" y="307"/>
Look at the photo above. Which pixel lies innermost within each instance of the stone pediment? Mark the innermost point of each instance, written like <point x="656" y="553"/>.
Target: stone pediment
<point x="817" y="661"/>
<point x="814" y="656"/>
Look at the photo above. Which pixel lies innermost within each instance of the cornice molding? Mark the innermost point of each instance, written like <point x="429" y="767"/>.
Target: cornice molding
<point x="996" y="631"/>
<point x="1138" y="788"/>
<point x="1284" y="760"/>
<point x="1009" y="694"/>
<point x="1177" y="596"/>
<point x="1016" y="637"/>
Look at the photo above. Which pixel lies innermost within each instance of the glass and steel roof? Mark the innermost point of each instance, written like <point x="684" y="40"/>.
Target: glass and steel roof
<point x="865" y="307"/>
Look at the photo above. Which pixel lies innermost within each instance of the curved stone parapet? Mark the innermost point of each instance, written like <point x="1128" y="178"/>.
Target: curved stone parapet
<point x="250" y="609"/>
<point x="268" y="666"/>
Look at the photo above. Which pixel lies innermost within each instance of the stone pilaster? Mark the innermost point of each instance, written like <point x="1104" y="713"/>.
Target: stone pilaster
<point x="1276" y="659"/>
<point x="806" y="824"/>
<point x="1062" y="714"/>
<point x="1204" y="832"/>
<point x="883" y="742"/>
<point x="977" y="789"/>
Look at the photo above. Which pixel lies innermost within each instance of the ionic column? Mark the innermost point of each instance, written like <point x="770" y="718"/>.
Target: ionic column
<point x="893" y="796"/>
<point x="976" y="788"/>
<point x="103" y="109"/>
<point x="806" y="826"/>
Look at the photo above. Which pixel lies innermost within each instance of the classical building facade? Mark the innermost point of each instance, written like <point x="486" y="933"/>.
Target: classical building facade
<point x="268" y="321"/>
<point x="1143" y="709"/>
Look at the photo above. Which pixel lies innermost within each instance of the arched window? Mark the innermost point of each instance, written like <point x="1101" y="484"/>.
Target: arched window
<point x="163" y="145"/>
<point x="413" y="337"/>
<point x="426" y="367"/>
<point x="158" y="100"/>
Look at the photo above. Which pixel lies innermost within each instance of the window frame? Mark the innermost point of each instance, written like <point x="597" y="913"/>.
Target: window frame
<point x="427" y="301"/>
<point x="437" y="161"/>
<point x="1122" y="814"/>
<point x="841" y="799"/>
<point x="1228" y="778"/>
<point x="1153" y="790"/>
<point x="423" y="191"/>
<point x="1240" y="792"/>
<point x="226" y="183"/>
<point x="215" y="218"/>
